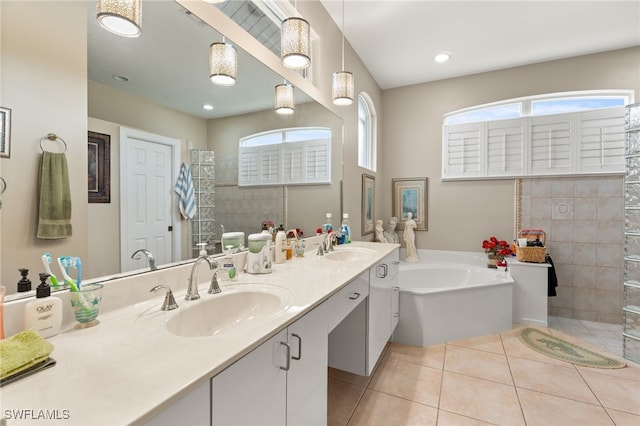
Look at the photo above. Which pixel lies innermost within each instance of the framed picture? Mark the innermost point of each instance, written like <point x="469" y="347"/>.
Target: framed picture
<point x="410" y="195"/>
<point x="5" y="132"/>
<point x="368" y="203"/>
<point x="99" y="176"/>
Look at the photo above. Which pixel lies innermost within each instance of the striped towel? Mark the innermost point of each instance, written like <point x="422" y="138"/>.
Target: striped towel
<point x="186" y="193"/>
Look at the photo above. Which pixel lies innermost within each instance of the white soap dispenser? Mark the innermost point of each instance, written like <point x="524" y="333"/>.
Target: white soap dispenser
<point x="44" y="313"/>
<point x="281" y="246"/>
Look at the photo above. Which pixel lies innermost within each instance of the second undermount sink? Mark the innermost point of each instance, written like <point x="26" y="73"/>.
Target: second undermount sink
<point x="237" y="307"/>
<point x="350" y="254"/>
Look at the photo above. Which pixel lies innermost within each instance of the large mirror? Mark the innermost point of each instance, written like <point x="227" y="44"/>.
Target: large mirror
<point x="168" y="84"/>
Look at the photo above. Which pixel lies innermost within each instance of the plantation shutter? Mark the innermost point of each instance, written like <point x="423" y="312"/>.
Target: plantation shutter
<point x="550" y="145"/>
<point x="602" y="140"/>
<point x="462" y="150"/>
<point x="505" y="147"/>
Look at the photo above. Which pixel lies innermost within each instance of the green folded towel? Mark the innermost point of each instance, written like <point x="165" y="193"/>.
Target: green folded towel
<point x="19" y="352"/>
<point x="54" y="212"/>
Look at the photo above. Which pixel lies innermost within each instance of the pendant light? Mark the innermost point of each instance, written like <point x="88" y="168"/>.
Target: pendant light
<point x="295" y="42"/>
<point x="285" y="100"/>
<point x="223" y="63"/>
<point x="342" y="82"/>
<point x="121" y="17"/>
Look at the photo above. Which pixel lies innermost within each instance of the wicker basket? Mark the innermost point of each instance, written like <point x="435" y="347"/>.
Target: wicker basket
<point x="532" y="254"/>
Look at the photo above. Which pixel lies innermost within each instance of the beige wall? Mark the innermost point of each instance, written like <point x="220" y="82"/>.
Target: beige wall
<point x="44" y="68"/>
<point x="462" y="214"/>
<point x="112" y="109"/>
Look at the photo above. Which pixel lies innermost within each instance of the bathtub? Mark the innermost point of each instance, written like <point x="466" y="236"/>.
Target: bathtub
<point x="451" y="296"/>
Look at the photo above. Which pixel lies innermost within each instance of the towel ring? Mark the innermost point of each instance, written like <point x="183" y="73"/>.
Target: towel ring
<point x="53" y="137"/>
<point x="4" y="185"/>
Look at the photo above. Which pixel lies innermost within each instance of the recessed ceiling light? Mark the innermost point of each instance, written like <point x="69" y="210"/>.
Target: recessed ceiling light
<point x="122" y="78"/>
<point x="442" y="57"/>
<point x="208" y="107"/>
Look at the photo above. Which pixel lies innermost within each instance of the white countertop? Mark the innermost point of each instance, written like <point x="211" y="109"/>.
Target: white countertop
<point x="129" y="367"/>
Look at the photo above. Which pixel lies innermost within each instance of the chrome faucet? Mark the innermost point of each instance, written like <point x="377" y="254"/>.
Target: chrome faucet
<point x="192" y="286"/>
<point x="148" y="255"/>
<point x="169" y="303"/>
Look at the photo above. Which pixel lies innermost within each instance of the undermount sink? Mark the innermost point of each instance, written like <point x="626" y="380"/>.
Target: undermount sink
<point x="237" y="307"/>
<point x="350" y="254"/>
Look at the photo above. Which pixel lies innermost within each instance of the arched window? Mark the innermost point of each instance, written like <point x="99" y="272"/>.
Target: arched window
<point x="366" y="132"/>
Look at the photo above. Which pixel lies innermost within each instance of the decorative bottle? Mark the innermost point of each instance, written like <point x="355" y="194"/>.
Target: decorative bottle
<point x="345" y="229"/>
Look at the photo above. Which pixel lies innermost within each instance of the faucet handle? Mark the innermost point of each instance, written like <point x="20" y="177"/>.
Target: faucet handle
<point x="169" y="303"/>
<point x="214" y="287"/>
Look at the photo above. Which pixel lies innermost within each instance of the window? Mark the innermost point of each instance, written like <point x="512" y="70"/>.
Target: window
<point x="285" y="157"/>
<point x="555" y="103"/>
<point x="366" y="133"/>
<point x="559" y="134"/>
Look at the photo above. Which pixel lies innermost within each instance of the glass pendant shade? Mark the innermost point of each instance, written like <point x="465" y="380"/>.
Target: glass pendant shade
<point x="121" y="17"/>
<point x="223" y="60"/>
<point x="295" y="43"/>
<point x="342" y="88"/>
<point x="285" y="102"/>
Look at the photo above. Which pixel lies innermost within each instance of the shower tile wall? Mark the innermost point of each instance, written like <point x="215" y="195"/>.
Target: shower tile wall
<point x="244" y="208"/>
<point x="583" y="218"/>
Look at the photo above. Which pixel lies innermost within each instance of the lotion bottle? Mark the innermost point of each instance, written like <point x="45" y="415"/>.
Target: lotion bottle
<point x="281" y="241"/>
<point x="44" y="313"/>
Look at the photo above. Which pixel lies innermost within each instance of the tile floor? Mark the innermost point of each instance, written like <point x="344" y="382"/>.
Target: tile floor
<point x="490" y="380"/>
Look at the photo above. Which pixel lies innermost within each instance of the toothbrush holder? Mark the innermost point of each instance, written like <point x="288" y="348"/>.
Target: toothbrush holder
<point x="86" y="305"/>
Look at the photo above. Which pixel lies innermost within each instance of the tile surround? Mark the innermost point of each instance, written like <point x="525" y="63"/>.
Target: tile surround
<point x="583" y="218"/>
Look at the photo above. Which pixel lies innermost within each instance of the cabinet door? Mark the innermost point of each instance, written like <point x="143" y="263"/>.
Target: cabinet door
<point x="307" y="375"/>
<point x="191" y="409"/>
<point x="253" y="390"/>
<point x="380" y="315"/>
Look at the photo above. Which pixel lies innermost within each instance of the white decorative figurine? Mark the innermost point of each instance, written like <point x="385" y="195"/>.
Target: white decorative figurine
<point x="379" y="231"/>
<point x="391" y="235"/>
<point x="410" y="239"/>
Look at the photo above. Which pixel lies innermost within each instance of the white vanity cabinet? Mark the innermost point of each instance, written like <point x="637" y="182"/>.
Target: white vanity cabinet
<point x="356" y="344"/>
<point x="190" y="410"/>
<point x="283" y="381"/>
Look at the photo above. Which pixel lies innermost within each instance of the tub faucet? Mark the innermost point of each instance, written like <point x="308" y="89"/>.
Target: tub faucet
<point x="148" y="255"/>
<point x="192" y="286"/>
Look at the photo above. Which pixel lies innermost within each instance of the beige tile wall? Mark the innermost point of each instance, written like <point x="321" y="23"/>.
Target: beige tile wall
<point x="583" y="218"/>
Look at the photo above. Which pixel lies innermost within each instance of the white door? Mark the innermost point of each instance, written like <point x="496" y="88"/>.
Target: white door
<point x="147" y="177"/>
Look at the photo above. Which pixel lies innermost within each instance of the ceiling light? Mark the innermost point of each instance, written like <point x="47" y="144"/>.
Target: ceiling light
<point x="285" y="102"/>
<point x="342" y="82"/>
<point x="295" y="42"/>
<point x="208" y="107"/>
<point x="442" y="57"/>
<point x="121" y="17"/>
<point x="223" y="61"/>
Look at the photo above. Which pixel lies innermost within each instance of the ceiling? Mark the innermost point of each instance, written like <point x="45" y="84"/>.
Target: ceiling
<point x="397" y="39"/>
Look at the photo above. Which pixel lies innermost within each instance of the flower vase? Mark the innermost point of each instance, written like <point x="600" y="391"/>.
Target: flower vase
<point x="493" y="260"/>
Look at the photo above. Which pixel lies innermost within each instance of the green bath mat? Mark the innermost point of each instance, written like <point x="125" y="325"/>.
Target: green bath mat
<point x="558" y="348"/>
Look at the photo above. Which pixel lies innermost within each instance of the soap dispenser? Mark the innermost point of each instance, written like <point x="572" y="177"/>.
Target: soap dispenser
<point x="281" y="241"/>
<point x="44" y="313"/>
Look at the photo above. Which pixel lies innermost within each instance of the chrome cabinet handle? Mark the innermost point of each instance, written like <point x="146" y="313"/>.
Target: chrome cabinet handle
<point x="297" y="358"/>
<point x="384" y="270"/>
<point x="288" y="357"/>
<point x="354" y="296"/>
<point x="396" y="288"/>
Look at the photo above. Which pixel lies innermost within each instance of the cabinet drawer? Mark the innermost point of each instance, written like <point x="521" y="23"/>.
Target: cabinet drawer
<point x="343" y="302"/>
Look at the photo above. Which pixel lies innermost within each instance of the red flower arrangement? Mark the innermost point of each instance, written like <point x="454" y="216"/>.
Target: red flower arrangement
<point x="496" y="247"/>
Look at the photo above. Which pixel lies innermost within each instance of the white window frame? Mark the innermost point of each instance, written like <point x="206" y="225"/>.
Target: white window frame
<point x="298" y="162"/>
<point x="588" y="141"/>
<point x="367" y="133"/>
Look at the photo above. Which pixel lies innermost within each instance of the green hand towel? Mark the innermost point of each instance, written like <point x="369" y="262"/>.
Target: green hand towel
<point x="19" y="352"/>
<point x="54" y="213"/>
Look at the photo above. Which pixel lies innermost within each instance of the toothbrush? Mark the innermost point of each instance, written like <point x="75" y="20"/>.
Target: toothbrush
<point x="77" y="265"/>
<point x="65" y="263"/>
<point x="46" y="261"/>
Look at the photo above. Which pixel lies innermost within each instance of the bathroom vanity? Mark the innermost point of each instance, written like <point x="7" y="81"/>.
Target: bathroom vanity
<point x="135" y="367"/>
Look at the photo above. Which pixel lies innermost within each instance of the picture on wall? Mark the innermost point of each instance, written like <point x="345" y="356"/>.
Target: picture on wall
<point x="99" y="166"/>
<point x="368" y="203"/>
<point x="5" y="132"/>
<point x="410" y="195"/>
